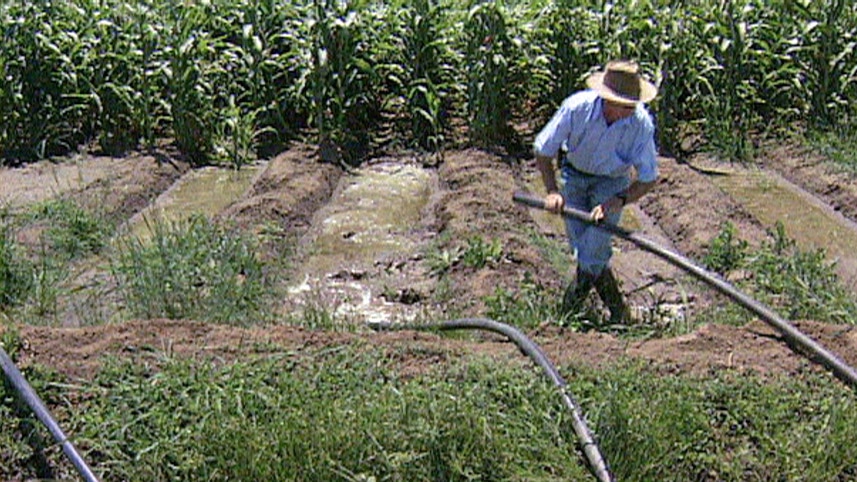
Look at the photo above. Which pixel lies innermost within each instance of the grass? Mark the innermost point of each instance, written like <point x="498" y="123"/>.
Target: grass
<point x="193" y="269"/>
<point x="838" y="144"/>
<point x="39" y="248"/>
<point x="346" y="414"/>
<point x="799" y="284"/>
<point x="72" y="231"/>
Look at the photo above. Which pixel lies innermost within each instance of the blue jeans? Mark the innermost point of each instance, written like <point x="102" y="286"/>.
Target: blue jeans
<point x="583" y="192"/>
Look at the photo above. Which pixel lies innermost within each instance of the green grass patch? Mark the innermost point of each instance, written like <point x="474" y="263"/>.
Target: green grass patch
<point x="71" y="231"/>
<point x="345" y="414"/>
<point x="839" y="145"/>
<point x="15" y="269"/>
<point x="193" y="269"/>
<point x="799" y="284"/>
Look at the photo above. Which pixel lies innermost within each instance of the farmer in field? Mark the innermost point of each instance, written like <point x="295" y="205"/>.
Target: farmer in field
<point x="603" y="138"/>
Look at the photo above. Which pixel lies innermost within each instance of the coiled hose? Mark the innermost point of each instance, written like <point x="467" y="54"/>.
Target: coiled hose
<point x="797" y="340"/>
<point x="590" y="449"/>
<point x="38" y="407"/>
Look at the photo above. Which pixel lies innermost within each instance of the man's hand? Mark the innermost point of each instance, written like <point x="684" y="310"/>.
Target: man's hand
<point x="612" y="205"/>
<point x="554" y="202"/>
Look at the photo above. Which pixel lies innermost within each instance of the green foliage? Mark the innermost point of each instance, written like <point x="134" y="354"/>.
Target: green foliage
<point x="72" y="231"/>
<point x="343" y="81"/>
<point x="477" y="253"/>
<point x="726" y="426"/>
<point x="342" y="414"/>
<point x="726" y="252"/>
<point x="492" y="52"/>
<point x="480" y="253"/>
<point x="527" y="307"/>
<point x="440" y="261"/>
<point x="237" y="135"/>
<point x="15" y="270"/>
<point x="322" y="417"/>
<point x="421" y="70"/>
<point x="121" y="74"/>
<point x="10" y="341"/>
<point x="192" y="269"/>
<point x="838" y="144"/>
<point x="801" y="284"/>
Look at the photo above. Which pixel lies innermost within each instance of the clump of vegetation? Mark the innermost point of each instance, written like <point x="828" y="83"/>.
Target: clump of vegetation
<point x="15" y="269"/>
<point x="33" y="274"/>
<point x="192" y="269"/>
<point x="801" y="284"/>
<point x="72" y="231"/>
<point x="527" y="307"/>
<point x="726" y="252"/>
<point x="476" y="253"/>
<point x="839" y="145"/>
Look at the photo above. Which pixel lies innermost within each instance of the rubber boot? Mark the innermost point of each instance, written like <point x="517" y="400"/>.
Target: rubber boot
<point x="575" y="294"/>
<point x="608" y="290"/>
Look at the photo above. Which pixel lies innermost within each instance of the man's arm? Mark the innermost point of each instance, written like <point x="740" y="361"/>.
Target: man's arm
<point x="553" y="199"/>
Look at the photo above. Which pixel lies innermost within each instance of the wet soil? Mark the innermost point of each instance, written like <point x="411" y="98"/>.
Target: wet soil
<point x="466" y="196"/>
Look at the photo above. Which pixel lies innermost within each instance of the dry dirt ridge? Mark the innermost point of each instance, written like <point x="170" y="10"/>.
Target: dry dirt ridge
<point x="471" y="194"/>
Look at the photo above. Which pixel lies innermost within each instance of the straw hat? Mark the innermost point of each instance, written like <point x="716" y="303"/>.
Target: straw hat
<point x="622" y="83"/>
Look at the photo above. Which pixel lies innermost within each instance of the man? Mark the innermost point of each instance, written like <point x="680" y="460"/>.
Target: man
<point x="608" y="137"/>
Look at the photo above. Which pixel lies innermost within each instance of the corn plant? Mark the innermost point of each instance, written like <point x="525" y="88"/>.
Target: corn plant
<point x="191" y="103"/>
<point x="421" y="72"/>
<point x="128" y="76"/>
<point x="344" y="72"/>
<point x="236" y="135"/>
<point x="258" y="63"/>
<point x="42" y="109"/>
<point x="568" y="34"/>
<point x="342" y="77"/>
<point x="825" y="47"/>
<point x="489" y="56"/>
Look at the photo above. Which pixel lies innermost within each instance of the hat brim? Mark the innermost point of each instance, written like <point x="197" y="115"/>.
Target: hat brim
<point x="648" y="91"/>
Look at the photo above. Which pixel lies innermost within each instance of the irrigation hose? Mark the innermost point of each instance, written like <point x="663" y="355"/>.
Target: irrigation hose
<point x="797" y="340"/>
<point x="590" y="449"/>
<point x="38" y="407"/>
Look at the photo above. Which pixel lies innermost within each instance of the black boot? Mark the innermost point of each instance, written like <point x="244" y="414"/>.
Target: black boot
<point x="575" y="294"/>
<point x="608" y="290"/>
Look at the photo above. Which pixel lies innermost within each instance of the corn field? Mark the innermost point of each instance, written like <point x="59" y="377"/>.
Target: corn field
<point x="230" y="80"/>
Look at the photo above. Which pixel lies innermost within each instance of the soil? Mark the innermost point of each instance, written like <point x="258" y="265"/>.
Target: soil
<point x="471" y="195"/>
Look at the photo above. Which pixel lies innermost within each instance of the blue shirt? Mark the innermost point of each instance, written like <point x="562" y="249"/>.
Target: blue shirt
<point x="596" y="148"/>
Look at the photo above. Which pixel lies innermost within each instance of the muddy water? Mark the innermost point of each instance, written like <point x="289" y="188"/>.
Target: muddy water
<point x="811" y="223"/>
<point x="205" y="191"/>
<point x="369" y="225"/>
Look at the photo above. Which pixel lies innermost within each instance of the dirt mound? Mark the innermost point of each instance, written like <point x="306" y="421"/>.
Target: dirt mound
<point x="78" y="353"/>
<point x="692" y="211"/>
<point x="292" y="187"/>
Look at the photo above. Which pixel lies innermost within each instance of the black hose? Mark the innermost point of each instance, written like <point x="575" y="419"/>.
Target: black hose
<point x="793" y="337"/>
<point x="590" y="449"/>
<point x="38" y="407"/>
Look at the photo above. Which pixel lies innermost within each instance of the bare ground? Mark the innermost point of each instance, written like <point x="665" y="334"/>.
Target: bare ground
<point x="472" y="196"/>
